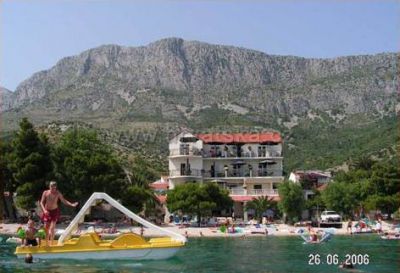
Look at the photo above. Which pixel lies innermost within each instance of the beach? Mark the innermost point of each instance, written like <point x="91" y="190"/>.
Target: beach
<point x="278" y="230"/>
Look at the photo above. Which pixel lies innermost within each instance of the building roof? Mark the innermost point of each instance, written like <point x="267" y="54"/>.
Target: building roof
<point x="313" y="174"/>
<point x="162" y="199"/>
<point x="246" y="198"/>
<point x="241" y="138"/>
<point x="161" y="184"/>
<point x="322" y="187"/>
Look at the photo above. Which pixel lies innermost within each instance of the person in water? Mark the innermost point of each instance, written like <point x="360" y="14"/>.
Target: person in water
<point x="30" y="235"/>
<point x="314" y="237"/>
<point x="51" y="211"/>
<point x="346" y="265"/>
<point x="28" y="258"/>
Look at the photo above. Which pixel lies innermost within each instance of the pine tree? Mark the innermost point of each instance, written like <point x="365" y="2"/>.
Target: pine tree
<point x="30" y="163"/>
<point x="84" y="164"/>
<point x="6" y="178"/>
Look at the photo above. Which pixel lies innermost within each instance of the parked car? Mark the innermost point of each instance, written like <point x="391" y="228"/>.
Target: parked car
<point x="330" y="216"/>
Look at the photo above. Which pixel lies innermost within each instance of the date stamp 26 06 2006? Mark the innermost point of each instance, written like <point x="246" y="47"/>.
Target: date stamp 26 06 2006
<point x="335" y="259"/>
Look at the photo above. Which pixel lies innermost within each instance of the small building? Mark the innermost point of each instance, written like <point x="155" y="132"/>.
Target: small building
<point x="160" y="186"/>
<point x="312" y="180"/>
<point x="314" y="176"/>
<point x="249" y="165"/>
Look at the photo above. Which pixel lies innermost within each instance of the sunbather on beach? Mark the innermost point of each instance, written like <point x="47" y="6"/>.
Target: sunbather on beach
<point x="349" y="226"/>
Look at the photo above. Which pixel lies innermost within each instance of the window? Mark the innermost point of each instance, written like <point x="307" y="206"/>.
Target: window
<point x="257" y="187"/>
<point x="183" y="169"/>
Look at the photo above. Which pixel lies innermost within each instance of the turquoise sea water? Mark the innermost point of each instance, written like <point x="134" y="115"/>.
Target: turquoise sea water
<point x="255" y="254"/>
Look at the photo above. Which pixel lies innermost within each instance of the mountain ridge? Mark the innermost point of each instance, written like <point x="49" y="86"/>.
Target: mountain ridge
<point x="6" y="97"/>
<point x="189" y="71"/>
<point x="172" y="84"/>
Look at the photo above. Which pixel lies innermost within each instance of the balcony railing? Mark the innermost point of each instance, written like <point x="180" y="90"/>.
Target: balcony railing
<point x="260" y="192"/>
<point x="191" y="172"/>
<point x="244" y="173"/>
<point x="228" y="154"/>
<point x="224" y="154"/>
<point x="185" y="151"/>
<point x="228" y="174"/>
<point x="238" y="192"/>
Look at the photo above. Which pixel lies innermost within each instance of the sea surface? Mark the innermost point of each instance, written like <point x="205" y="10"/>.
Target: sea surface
<point x="251" y="254"/>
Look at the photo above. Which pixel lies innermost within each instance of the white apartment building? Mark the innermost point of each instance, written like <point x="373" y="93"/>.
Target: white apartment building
<point x="247" y="164"/>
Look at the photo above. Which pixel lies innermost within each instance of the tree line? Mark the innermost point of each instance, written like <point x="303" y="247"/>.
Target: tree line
<point x="79" y="161"/>
<point x="368" y="185"/>
<point x="83" y="164"/>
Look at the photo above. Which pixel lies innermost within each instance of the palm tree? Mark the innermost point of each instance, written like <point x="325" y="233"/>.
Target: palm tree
<point x="139" y="194"/>
<point x="260" y="205"/>
<point x="362" y="162"/>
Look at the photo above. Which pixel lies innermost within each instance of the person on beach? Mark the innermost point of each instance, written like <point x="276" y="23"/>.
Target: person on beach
<point x="378" y="226"/>
<point x="51" y="211"/>
<point x="141" y="231"/>
<point x="349" y="226"/>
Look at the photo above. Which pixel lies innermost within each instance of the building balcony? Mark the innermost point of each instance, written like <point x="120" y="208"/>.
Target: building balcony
<point x="233" y="155"/>
<point x="193" y="151"/>
<point x="253" y="192"/>
<point x="244" y="173"/>
<point x="185" y="152"/>
<point x="262" y="192"/>
<point x="187" y="172"/>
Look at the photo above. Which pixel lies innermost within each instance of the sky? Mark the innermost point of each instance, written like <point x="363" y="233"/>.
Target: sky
<point x="35" y="34"/>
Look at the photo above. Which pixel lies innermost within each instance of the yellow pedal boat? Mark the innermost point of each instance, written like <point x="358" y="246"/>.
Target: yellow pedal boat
<point x="91" y="246"/>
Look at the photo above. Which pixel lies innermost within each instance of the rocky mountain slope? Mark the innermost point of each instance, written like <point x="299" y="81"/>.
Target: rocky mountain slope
<point x="6" y="98"/>
<point x="213" y="73"/>
<point x="173" y="83"/>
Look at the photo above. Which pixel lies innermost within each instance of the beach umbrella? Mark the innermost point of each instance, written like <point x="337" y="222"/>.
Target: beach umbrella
<point x="238" y="162"/>
<point x="267" y="161"/>
<point x="188" y="139"/>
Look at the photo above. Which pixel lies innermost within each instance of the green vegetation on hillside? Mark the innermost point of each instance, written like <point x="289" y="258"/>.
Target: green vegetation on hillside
<point x="321" y="145"/>
<point x="214" y="117"/>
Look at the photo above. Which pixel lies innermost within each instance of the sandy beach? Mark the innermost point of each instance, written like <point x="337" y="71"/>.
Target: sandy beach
<point x="280" y="230"/>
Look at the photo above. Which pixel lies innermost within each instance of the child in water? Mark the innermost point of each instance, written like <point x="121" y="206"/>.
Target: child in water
<point x="28" y="258"/>
<point x="30" y="236"/>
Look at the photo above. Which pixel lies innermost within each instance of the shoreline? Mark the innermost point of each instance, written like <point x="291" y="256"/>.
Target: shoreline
<point x="195" y="232"/>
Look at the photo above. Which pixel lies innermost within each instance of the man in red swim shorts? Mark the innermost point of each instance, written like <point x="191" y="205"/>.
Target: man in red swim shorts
<point x="51" y="211"/>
